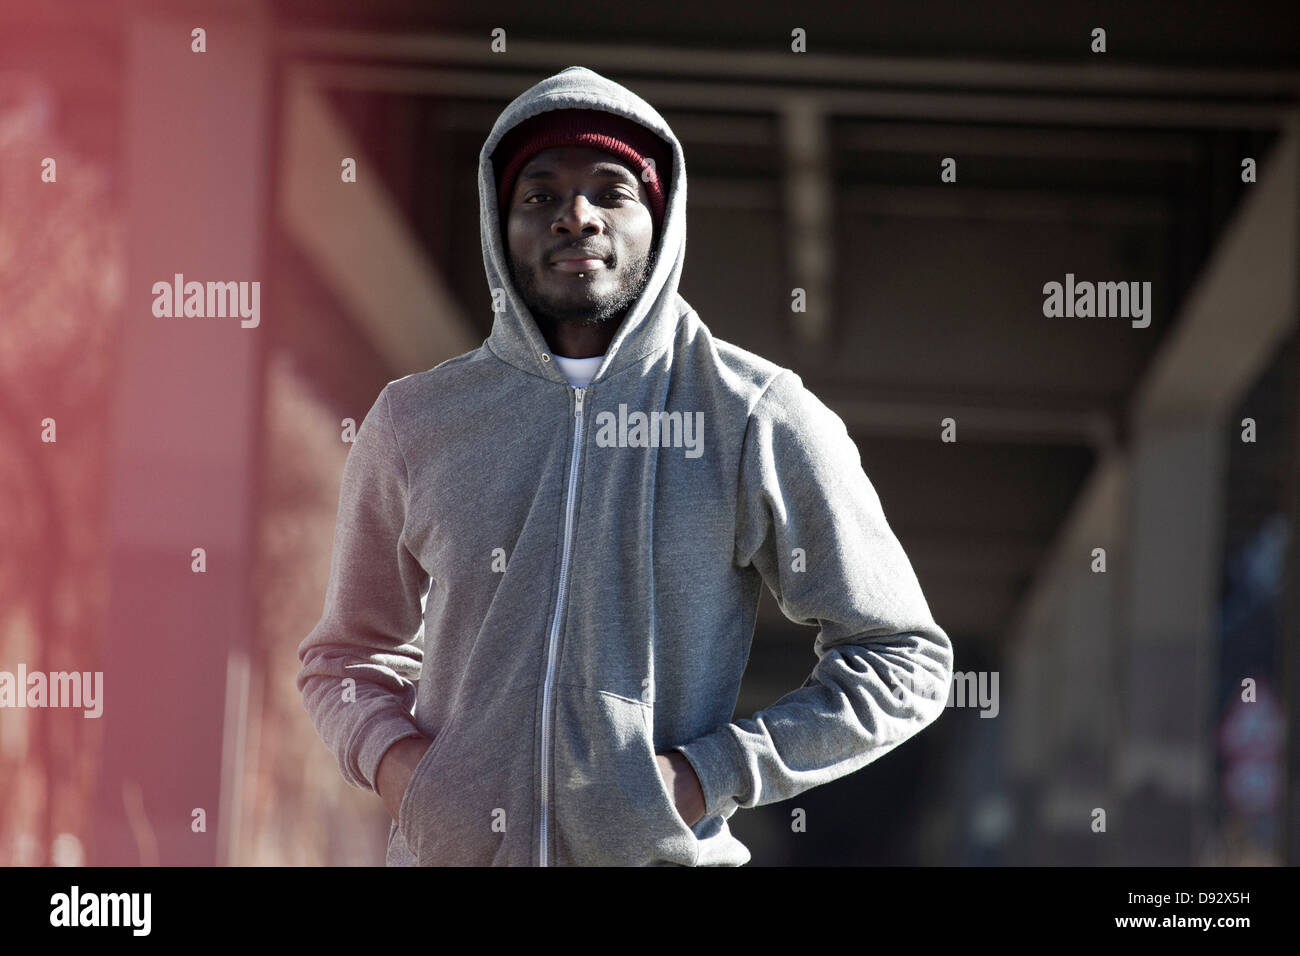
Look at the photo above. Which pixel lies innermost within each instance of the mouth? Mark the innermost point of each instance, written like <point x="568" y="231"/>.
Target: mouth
<point x="579" y="265"/>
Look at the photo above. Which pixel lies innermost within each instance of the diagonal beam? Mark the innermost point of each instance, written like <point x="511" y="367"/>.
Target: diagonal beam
<point x="358" y="240"/>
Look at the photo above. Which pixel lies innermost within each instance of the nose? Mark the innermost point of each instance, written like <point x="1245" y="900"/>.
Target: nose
<point x="577" y="216"/>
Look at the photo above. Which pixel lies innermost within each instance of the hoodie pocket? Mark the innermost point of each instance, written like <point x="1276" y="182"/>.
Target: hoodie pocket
<point x="473" y="781"/>
<point x="415" y="787"/>
<point x="611" y="805"/>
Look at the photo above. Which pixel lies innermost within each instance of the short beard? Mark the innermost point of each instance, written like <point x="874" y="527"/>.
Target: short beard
<point x="612" y="307"/>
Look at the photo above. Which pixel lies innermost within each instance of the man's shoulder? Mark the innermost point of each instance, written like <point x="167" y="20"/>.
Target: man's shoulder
<point x="765" y="388"/>
<point x="748" y="374"/>
<point x="419" y="390"/>
<point x="742" y="361"/>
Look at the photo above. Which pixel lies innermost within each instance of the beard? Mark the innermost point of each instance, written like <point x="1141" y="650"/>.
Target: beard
<point x="596" y="308"/>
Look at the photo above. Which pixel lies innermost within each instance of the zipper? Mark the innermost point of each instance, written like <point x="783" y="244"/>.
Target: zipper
<point x="559" y="615"/>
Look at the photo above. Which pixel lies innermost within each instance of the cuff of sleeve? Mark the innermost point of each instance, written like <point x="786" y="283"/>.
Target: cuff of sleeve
<point x="719" y="763"/>
<point x="376" y="744"/>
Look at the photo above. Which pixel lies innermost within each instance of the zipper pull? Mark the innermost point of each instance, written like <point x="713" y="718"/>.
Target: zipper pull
<point x="577" y="408"/>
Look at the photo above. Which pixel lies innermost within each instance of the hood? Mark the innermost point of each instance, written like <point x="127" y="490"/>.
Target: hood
<point x="651" y="321"/>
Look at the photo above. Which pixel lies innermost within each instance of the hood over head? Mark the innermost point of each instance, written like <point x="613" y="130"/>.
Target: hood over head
<point x="652" y="320"/>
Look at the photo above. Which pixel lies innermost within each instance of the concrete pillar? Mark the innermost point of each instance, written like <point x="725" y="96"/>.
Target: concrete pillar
<point x="1060" y="698"/>
<point x="186" y="440"/>
<point x="1166" y="755"/>
<point x="807" y="186"/>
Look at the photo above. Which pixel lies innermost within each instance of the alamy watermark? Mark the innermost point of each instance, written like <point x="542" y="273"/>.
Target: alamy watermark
<point x="967" y="689"/>
<point x="75" y="908"/>
<point x="181" y="299"/>
<point x="83" y="689"/>
<point x="653" y="430"/>
<point x="1101" y="299"/>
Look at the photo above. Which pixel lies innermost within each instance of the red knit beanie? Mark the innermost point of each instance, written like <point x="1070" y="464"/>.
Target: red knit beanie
<point x="598" y="129"/>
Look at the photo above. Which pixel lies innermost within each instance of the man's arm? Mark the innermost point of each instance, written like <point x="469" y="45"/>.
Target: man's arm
<point x="810" y="521"/>
<point x="362" y="659"/>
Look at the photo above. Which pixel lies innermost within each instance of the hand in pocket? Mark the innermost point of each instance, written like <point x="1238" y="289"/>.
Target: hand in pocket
<point x="395" y="770"/>
<point x="681" y="781"/>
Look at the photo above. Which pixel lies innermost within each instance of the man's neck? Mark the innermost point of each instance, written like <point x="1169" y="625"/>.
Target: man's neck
<point x="573" y="340"/>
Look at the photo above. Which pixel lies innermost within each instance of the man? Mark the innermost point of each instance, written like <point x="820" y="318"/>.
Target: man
<point x="550" y="550"/>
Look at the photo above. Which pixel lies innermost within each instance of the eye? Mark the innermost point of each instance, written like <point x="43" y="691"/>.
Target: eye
<point x="616" y="193"/>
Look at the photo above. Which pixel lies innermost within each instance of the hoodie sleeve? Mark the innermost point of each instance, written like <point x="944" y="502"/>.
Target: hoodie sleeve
<point x="371" y="627"/>
<point x="810" y="521"/>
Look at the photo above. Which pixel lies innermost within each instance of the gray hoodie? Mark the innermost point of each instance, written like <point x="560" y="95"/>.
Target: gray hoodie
<point x="554" y="584"/>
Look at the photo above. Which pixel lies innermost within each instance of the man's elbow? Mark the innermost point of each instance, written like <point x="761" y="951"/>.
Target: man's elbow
<point x="929" y="684"/>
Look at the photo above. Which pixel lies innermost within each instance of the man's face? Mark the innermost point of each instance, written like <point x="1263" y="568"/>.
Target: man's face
<point x="571" y="200"/>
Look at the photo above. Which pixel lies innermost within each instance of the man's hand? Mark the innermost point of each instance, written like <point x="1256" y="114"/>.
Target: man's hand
<point x="680" y="779"/>
<point x="395" y="769"/>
